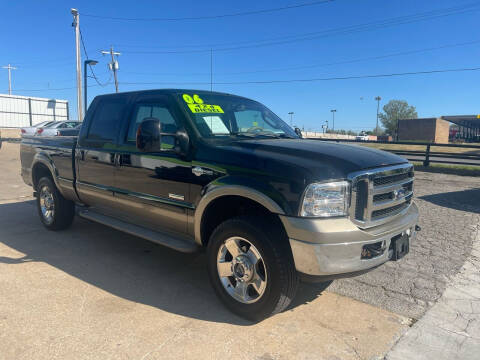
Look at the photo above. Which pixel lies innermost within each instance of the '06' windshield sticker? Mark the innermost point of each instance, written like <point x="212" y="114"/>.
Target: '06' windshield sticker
<point x="196" y="105"/>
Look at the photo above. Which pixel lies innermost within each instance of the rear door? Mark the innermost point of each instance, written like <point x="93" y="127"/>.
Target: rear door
<point x="96" y="152"/>
<point x="152" y="188"/>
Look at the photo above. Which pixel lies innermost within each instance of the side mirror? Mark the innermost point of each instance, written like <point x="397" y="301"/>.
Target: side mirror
<point x="149" y="138"/>
<point x="149" y="135"/>
<point x="298" y="132"/>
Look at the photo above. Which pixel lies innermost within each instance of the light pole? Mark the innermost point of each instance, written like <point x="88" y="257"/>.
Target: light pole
<point x="378" y="98"/>
<point x="78" y="61"/>
<point x="291" y="118"/>
<point x="333" y="119"/>
<point x="85" y="63"/>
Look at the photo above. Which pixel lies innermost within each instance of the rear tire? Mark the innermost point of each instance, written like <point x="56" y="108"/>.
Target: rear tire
<point x="253" y="289"/>
<point x="56" y="212"/>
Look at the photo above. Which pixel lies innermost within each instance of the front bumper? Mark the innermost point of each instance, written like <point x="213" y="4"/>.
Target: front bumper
<point x="329" y="247"/>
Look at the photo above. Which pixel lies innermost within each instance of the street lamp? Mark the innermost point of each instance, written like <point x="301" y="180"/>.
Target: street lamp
<point x="85" y="63"/>
<point x="378" y="98"/>
<point x="333" y="118"/>
<point x="291" y="118"/>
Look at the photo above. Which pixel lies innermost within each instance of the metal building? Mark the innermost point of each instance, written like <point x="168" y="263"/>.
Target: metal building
<point x="468" y="127"/>
<point x="21" y="111"/>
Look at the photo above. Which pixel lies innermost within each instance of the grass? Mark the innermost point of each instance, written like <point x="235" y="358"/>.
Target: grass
<point x="453" y="150"/>
<point x="462" y="170"/>
<point x="455" y="169"/>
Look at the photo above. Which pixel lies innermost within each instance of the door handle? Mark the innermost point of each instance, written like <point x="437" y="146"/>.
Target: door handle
<point x="116" y="160"/>
<point x="94" y="157"/>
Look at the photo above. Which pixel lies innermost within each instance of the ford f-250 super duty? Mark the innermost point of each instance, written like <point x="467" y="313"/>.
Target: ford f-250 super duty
<point x="194" y="169"/>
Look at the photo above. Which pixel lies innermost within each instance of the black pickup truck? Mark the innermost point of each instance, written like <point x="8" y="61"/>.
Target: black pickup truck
<point x="194" y="169"/>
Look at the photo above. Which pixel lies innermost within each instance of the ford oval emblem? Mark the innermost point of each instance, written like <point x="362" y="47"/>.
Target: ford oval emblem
<point x="398" y="194"/>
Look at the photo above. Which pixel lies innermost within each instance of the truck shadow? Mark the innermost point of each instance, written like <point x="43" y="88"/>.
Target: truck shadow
<point x="465" y="200"/>
<point x="125" y="266"/>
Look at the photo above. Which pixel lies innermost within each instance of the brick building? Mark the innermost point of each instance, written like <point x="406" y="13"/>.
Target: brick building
<point x="434" y="130"/>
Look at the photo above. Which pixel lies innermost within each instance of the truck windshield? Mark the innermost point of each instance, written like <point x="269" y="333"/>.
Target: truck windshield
<point x="217" y="115"/>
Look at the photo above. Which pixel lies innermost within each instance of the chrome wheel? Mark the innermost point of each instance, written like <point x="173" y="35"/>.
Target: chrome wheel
<point x="241" y="270"/>
<point x="47" y="204"/>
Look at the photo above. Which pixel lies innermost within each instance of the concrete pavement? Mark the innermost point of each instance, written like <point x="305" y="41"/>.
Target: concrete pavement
<point x="451" y="329"/>
<point x="94" y="293"/>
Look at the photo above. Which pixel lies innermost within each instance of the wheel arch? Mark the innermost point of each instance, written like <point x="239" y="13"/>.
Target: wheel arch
<point x="43" y="166"/>
<point x="236" y="193"/>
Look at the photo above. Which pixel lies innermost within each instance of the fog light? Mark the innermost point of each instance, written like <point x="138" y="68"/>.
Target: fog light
<point x="374" y="250"/>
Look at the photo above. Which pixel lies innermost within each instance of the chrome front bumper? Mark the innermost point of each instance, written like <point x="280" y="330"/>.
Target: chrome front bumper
<point x="326" y="247"/>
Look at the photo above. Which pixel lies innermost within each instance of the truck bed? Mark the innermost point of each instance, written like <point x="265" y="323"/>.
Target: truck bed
<point x="57" y="151"/>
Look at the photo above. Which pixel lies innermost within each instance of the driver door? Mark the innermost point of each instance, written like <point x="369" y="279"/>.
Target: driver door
<point x="152" y="188"/>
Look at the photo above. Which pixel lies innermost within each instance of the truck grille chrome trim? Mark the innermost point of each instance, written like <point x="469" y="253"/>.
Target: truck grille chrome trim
<point x="379" y="195"/>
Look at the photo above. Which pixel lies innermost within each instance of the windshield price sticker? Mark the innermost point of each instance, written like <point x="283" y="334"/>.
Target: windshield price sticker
<point x="205" y="108"/>
<point x="196" y="105"/>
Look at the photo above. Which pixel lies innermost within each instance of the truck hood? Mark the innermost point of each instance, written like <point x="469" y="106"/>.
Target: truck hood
<point x="320" y="159"/>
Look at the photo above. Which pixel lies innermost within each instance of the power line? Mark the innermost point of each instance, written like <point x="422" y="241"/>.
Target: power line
<point x="90" y="66"/>
<point x="311" y="79"/>
<point x="378" y="57"/>
<point x="300" y="67"/>
<point x="402" y="20"/>
<point x="54" y="89"/>
<point x="355" y="77"/>
<point x="210" y="17"/>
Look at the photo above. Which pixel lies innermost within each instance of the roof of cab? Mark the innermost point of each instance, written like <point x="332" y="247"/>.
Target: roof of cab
<point x="169" y="91"/>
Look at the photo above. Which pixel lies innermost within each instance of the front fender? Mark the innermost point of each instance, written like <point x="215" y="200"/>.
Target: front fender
<point x="226" y="187"/>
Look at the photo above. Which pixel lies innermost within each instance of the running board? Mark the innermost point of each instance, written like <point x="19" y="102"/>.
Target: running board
<point x="173" y="242"/>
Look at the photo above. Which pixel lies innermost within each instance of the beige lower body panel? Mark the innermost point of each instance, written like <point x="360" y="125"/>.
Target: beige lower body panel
<point x="330" y="247"/>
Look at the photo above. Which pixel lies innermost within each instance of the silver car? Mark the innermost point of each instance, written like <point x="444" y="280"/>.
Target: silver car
<point x="52" y="129"/>
<point x="33" y="129"/>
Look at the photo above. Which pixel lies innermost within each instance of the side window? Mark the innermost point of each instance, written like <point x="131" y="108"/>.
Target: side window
<point x="106" y="120"/>
<point x="158" y="111"/>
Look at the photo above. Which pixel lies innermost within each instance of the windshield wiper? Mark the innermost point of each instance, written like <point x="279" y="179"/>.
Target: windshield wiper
<point x="263" y="133"/>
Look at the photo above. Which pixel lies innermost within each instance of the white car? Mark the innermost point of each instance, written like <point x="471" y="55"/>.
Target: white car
<point x="52" y="129"/>
<point x="362" y="138"/>
<point x="33" y="129"/>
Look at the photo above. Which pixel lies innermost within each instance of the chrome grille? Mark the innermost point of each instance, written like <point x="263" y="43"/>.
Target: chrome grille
<point x="379" y="195"/>
<point x="377" y="214"/>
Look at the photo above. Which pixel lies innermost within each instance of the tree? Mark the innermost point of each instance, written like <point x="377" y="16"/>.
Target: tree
<point x="393" y="111"/>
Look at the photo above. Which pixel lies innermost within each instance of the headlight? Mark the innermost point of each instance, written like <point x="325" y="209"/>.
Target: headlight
<point x="326" y="199"/>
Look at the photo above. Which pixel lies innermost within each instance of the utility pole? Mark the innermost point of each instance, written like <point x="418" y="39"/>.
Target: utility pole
<point x="76" y="25"/>
<point x="378" y="98"/>
<point x="291" y="118"/>
<point x="333" y="123"/>
<point x="113" y="65"/>
<point x="9" y="68"/>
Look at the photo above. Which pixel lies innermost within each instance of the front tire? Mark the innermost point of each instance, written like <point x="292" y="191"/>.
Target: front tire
<point x="56" y="212"/>
<point x="251" y="268"/>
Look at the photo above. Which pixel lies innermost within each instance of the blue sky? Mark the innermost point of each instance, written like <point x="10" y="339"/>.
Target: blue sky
<point x="37" y="37"/>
